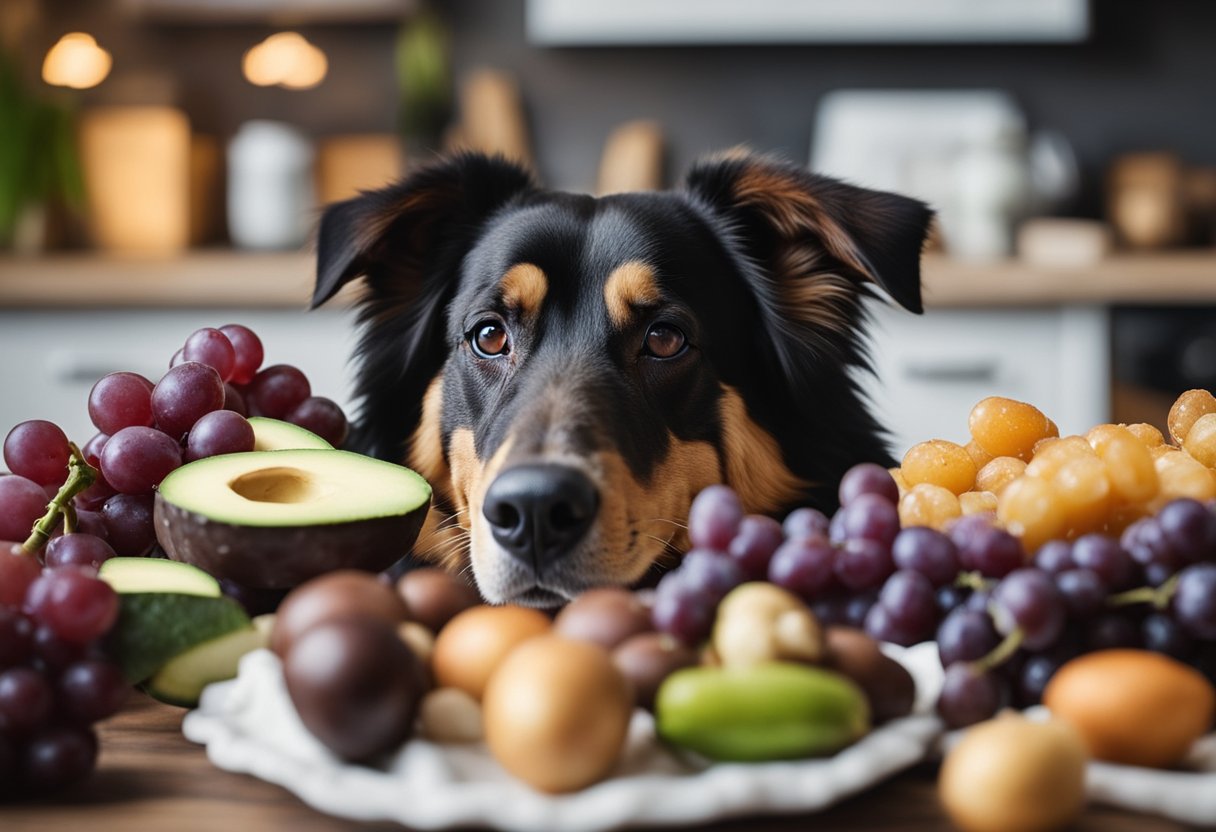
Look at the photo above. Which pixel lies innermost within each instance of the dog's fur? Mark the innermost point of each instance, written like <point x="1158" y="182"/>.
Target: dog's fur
<point x="762" y="266"/>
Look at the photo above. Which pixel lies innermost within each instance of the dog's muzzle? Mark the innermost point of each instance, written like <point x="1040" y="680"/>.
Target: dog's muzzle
<point x="538" y="513"/>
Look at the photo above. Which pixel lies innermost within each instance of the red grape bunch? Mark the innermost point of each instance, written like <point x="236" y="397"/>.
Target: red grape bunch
<point x="1003" y="622"/>
<point x="55" y="681"/>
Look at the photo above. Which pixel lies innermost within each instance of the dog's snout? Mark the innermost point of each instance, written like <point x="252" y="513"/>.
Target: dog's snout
<point x="539" y="512"/>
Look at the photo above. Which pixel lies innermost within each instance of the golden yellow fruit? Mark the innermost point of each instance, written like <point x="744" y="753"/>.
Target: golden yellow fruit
<point x="977" y="502"/>
<point x="1186" y="411"/>
<point x="1006" y="427"/>
<point x="928" y="505"/>
<point x="1014" y="775"/>
<point x="556" y="713"/>
<point x="939" y="462"/>
<point x="998" y="473"/>
<point x="472" y="645"/>
<point x="1201" y="440"/>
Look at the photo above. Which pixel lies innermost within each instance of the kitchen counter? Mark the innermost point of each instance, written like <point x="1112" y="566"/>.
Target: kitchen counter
<point x="151" y="778"/>
<point x="221" y="277"/>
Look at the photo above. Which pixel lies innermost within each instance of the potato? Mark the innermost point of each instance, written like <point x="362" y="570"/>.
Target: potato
<point x="471" y="646"/>
<point x="557" y="713"/>
<point x="649" y="658"/>
<point x="606" y="616"/>
<point x="1132" y="706"/>
<point x="1013" y="775"/>
<point x="434" y="596"/>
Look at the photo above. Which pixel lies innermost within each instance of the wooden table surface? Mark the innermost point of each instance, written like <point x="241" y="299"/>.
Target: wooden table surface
<point x="151" y="779"/>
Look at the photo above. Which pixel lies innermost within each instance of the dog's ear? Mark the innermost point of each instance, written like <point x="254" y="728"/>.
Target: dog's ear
<point x="392" y="233"/>
<point x="810" y="231"/>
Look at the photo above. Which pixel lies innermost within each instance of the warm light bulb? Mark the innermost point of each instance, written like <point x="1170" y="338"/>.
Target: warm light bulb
<point x="76" y="61"/>
<point x="285" y="59"/>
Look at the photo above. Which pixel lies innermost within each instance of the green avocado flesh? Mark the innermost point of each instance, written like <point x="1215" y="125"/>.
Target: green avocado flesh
<point x="182" y="679"/>
<point x="274" y="519"/>
<point x="277" y="435"/>
<point x="155" y="627"/>
<point x="296" y="487"/>
<point x="131" y="575"/>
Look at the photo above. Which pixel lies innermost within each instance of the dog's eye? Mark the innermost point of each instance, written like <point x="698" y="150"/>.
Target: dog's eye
<point x="489" y="339"/>
<point x="664" y="341"/>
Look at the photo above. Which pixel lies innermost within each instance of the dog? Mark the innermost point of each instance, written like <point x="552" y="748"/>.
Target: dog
<point x="569" y="372"/>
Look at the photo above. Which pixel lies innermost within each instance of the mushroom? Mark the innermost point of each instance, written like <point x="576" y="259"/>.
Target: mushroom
<point x="759" y="622"/>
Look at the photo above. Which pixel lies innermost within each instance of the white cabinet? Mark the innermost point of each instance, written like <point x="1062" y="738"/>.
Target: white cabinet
<point x="50" y="358"/>
<point x="932" y="369"/>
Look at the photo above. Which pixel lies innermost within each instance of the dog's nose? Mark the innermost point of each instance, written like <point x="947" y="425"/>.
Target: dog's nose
<point x="538" y="512"/>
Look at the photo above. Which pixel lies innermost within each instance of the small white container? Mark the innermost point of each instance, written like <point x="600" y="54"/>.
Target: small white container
<point x="271" y="195"/>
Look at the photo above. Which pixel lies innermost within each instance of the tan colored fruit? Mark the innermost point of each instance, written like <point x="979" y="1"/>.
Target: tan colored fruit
<point x="1006" y="427"/>
<point x="928" y="505"/>
<point x="1186" y="411"/>
<point x="941" y="463"/>
<point x="998" y="473"/>
<point x="473" y="644"/>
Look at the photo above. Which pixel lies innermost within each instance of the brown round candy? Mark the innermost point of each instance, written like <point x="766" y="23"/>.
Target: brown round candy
<point x="649" y="658"/>
<point x="434" y="596"/>
<point x="604" y="616"/>
<point x="355" y="685"/>
<point x="887" y="684"/>
<point x="336" y="595"/>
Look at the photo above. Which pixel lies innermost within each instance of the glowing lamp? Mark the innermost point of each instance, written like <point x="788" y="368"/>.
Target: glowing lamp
<point x="287" y="60"/>
<point x="76" y="61"/>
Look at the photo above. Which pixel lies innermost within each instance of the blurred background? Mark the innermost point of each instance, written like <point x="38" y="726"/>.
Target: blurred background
<point x="162" y="163"/>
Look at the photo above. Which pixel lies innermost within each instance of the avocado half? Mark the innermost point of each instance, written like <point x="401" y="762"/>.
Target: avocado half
<point x="274" y="519"/>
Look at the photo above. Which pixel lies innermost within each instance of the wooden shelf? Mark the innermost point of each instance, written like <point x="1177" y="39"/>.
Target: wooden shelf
<point x="221" y="277"/>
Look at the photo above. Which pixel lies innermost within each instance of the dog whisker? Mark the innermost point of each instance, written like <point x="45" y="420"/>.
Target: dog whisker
<point x="675" y="523"/>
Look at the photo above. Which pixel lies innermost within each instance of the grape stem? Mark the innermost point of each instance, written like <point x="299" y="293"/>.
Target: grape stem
<point x="1158" y="596"/>
<point x="1001" y="653"/>
<point x="974" y="581"/>
<point x="80" y="476"/>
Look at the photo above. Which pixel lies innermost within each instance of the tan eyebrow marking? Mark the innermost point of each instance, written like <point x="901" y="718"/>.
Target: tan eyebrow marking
<point x="524" y="287"/>
<point x="630" y="284"/>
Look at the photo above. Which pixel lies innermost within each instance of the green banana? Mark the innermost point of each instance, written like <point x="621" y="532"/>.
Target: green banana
<point x="769" y="711"/>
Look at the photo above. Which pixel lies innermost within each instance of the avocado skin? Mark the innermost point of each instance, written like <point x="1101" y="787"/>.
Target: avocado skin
<point x="282" y="557"/>
<point x="153" y="627"/>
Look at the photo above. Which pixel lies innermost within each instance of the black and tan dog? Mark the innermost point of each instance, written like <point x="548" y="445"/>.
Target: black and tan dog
<point x="569" y="372"/>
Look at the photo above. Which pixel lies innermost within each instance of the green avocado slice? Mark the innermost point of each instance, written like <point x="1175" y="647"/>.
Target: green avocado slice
<point x="182" y="679"/>
<point x="154" y="627"/>
<point x="131" y="575"/>
<point x="277" y="435"/>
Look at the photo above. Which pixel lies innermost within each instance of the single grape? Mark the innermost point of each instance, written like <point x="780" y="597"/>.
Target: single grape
<point x="979" y="600"/>
<point x="806" y="522"/>
<point x="17" y="572"/>
<point x="868" y="478"/>
<point x="992" y="552"/>
<point x="857" y="607"/>
<point x="135" y="460"/>
<point x="91" y="690"/>
<point x="58" y="757"/>
<point x="964" y="636"/>
<point x="863" y="564"/>
<point x="1054" y="557"/>
<point x="837" y="533"/>
<point x="128" y="519"/>
<point x="234" y="400"/>
<point x="178" y="358"/>
<point x="1189" y="528"/>
<point x="77" y="549"/>
<point x="1146" y="542"/>
<point x="1083" y="592"/>
<point x="219" y="432"/>
<point x="908" y="598"/>
<point x="91" y="522"/>
<point x="879" y="624"/>
<point x="183" y="396"/>
<point x="1028" y="601"/>
<point x="276" y="391"/>
<point x="1035" y="673"/>
<point x="1107" y="559"/>
<point x="965" y="528"/>
<point x="754" y="544"/>
<point x="248" y="350"/>
<point x="53" y="653"/>
<point x="1112" y="630"/>
<point x="928" y="552"/>
<point x="1194" y="601"/>
<point x="871" y="517"/>
<point x="1163" y="634"/>
<point x="949" y="597"/>
<point x="712" y="573"/>
<point x="968" y="696"/>
<point x="713" y="518"/>
<point x="16" y="637"/>
<point x="323" y="417"/>
<point x="92" y="449"/>
<point x="77" y="606"/>
<point x="25" y="701"/>
<point x="805" y="566"/>
<point x="681" y="610"/>
<point x="211" y="347"/>
<point x="38" y="450"/>
<point x="121" y="400"/>
<point x="22" y="503"/>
